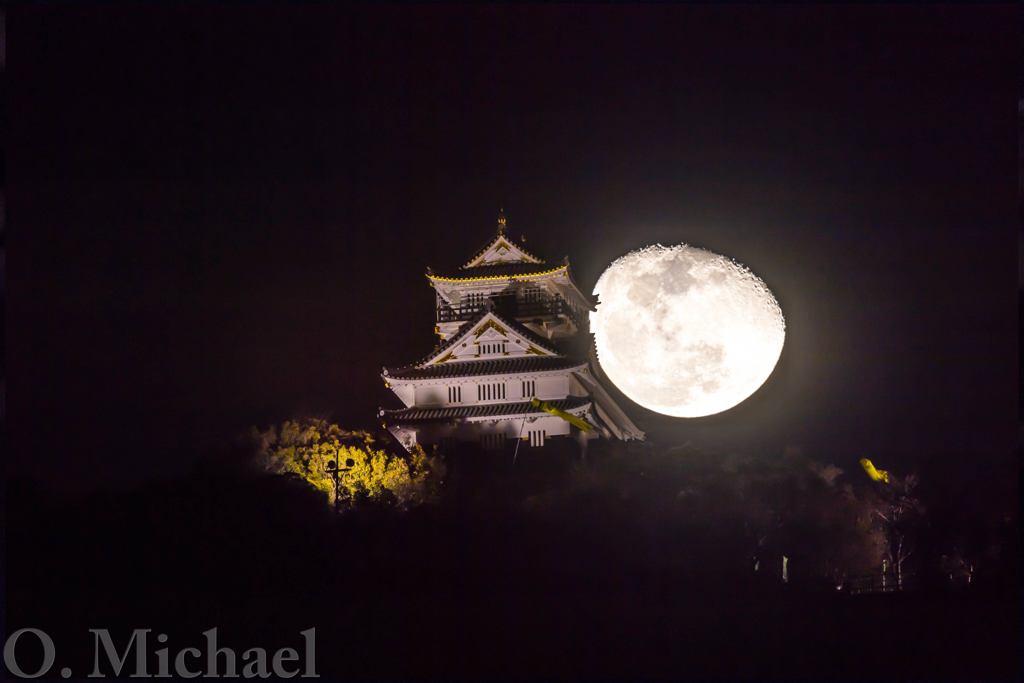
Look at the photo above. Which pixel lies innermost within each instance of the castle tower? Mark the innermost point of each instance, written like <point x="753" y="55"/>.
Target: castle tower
<point x="514" y="359"/>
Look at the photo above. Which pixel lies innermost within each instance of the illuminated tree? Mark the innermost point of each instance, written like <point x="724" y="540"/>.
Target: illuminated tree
<point x="730" y="514"/>
<point x="803" y="511"/>
<point x="304" y="448"/>
<point x="899" y="512"/>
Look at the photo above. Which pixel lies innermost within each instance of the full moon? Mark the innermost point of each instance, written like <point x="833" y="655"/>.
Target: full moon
<point x="684" y="331"/>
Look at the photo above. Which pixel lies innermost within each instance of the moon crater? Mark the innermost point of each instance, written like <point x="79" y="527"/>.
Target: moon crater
<point x="684" y="331"/>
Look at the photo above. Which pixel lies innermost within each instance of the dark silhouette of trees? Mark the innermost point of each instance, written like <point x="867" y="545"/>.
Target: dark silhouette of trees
<point x="631" y="564"/>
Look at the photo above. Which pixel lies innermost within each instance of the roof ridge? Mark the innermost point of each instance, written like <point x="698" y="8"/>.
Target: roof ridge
<point x="463" y="328"/>
<point x="529" y="334"/>
<point x="485" y="366"/>
<point x="414" y="413"/>
<point x="500" y="236"/>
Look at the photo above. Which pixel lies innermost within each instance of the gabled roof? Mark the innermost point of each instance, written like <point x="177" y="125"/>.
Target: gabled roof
<point x="422" y="414"/>
<point x="502" y="249"/>
<point x="479" y="320"/>
<point x="494" y="366"/>
<point x="516" y="253"/>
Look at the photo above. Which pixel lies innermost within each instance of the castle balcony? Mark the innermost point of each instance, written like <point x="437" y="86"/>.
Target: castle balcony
<point x="510" y="307"/>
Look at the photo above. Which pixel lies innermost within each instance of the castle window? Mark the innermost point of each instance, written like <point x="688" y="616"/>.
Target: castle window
<point x="529" y="388"/>
<point x="489" y="392"/>
<point x="455" y="394"/>
<point x="492" y="348"/>
<point x="536" y="438"/>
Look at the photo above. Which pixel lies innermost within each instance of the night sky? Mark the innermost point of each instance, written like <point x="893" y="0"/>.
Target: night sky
<point x="221" y="216"/>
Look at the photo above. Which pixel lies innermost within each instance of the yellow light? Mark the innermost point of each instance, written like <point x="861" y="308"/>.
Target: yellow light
<point x="441" y="278"/>
<point x="578" y="422"/>
<point x="873" y="472"/>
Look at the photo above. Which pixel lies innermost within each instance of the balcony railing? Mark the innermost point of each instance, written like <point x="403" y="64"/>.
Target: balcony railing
<point x="508" y="306"/>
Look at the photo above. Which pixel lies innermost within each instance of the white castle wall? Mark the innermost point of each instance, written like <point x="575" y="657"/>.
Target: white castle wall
<point x="546" y="387"/>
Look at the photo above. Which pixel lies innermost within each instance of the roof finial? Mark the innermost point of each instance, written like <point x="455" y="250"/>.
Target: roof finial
<point x="501" y="221"/>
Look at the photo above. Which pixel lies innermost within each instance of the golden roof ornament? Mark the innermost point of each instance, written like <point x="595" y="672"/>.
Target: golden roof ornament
<point x="501" y="222"/>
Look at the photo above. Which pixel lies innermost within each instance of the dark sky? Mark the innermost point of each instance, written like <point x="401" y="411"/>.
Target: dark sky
<point x="221" y="216"/>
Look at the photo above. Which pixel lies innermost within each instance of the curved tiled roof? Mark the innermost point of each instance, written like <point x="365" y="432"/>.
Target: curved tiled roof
<point x="496" y="366"/>
<point x="505" y="271"/>
<point x="500" y="271"/>
<point x="423" y="414"/>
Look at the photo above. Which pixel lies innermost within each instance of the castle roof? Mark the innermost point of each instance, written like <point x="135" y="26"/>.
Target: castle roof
<point x="424" y="414"/>
<point x="501" y="249"/>
<point x="467" y="327"/>
<point x="500" y="271"/>
<point x="494" y="366"/>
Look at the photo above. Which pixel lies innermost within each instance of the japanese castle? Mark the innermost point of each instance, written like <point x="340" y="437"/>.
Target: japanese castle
<point x="515" y="360"/>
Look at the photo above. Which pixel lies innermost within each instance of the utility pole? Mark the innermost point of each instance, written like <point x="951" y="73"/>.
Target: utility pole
<point x="335" y="472"/>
